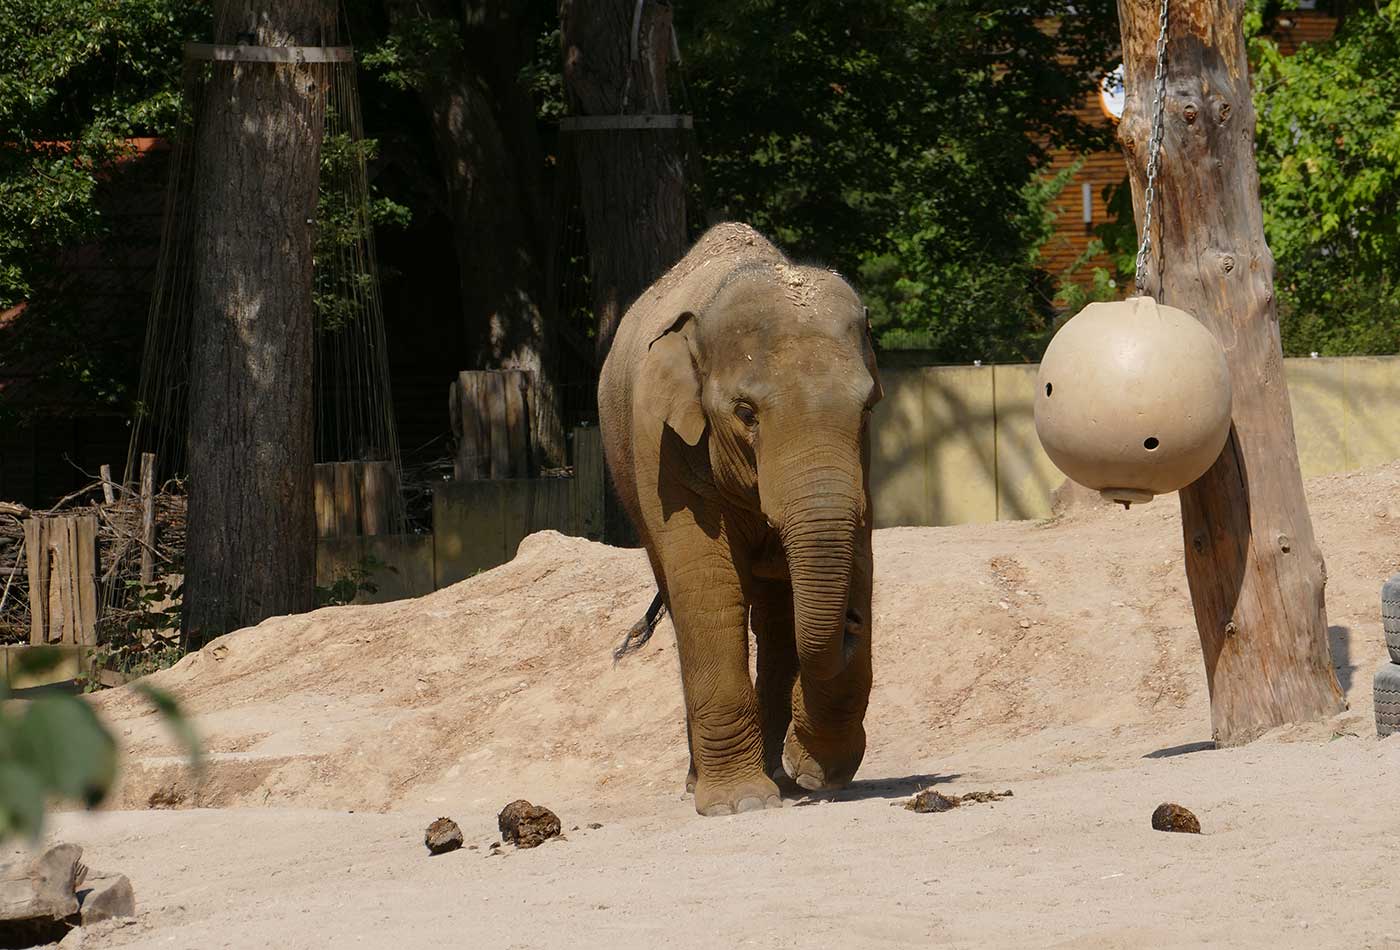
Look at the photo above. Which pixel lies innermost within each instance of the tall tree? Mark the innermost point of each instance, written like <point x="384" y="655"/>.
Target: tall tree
<point x="1329" y="164"/>
<point x="251" y="550"/>
<point x="900" y="142"/>
<point x="1255" y="572"/>
<point x="465" y="66"/>
<point x="78" y="80"/>
<point x="616" y="59"/>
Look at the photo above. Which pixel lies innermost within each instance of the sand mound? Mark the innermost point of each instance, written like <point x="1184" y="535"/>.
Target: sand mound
<point x="1019" y="648"/>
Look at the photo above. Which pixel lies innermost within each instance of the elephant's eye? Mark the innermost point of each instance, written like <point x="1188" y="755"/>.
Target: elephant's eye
<point x="746" y="414"/>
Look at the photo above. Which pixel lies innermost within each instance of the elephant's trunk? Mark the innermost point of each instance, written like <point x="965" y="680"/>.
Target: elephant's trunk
<point x="818" y="527"/>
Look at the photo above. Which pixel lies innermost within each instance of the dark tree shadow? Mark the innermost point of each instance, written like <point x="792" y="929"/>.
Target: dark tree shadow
<point x="1339" y="639"/>
<point x="1186" y="749"/>
<point x="865" y="789"/>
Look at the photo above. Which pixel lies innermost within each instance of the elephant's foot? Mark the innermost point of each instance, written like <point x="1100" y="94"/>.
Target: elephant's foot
<point x="818" y="764"/>
<point x="731" y="798"/>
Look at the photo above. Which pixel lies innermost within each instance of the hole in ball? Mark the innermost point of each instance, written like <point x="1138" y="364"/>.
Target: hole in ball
<point x="1150" y="443"/>
<point x="1048" y="388"/>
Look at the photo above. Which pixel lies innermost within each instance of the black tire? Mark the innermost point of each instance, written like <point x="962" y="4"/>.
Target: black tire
<point x="1387" y="685"/>
<point x="1390" y="616"/>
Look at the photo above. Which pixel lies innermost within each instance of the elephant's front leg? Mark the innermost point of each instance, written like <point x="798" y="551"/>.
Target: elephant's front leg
<point x="726" y="741"/>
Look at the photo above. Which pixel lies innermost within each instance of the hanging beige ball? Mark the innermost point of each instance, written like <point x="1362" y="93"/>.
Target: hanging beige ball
<point x="1133" y="399"/>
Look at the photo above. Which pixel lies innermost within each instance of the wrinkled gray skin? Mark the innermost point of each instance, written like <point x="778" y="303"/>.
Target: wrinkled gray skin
<point x="734" y="407"/>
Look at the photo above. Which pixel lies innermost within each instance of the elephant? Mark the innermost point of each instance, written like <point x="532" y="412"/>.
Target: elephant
<point x="734" y="405"/>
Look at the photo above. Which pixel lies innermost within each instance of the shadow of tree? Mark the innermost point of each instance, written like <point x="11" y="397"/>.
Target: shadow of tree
<point x="1171" y="752"/>
<point x="1339" y="640"/>
<point x="926" y="411"/>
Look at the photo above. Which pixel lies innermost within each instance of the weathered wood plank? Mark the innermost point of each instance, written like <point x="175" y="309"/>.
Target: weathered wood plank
<point x="588" y="482"/>
<point x="84" y="630"/>
<point x="468" y="529"/>
<point x="378" y="498"/>
<point x="324" y="480"/>
<point x="148" y="516"/>
<point x="516" y="383"/>
<point x="36" y="547"/>
<point x="105" y="473"/>
<point x="470" y="426"/>
<point x="60" y="581"/>
<point x="346" y="499"/>
<point x="551" y="506"/>
<point x="495" y="410"/>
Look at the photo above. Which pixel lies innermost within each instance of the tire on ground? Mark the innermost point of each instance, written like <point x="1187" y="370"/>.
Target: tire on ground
<point x="1390" y="616"/>
<point x="1387" y="686"/>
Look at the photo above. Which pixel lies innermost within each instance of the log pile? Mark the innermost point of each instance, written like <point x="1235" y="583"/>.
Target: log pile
<point x="14" y="575"/>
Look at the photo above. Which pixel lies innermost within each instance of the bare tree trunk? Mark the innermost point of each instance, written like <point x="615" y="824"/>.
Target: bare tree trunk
<point x="633" y="180"/>
<point x="251" y="552"/>
<point x="1254" y="568"/>
<point x="485" y="136"/>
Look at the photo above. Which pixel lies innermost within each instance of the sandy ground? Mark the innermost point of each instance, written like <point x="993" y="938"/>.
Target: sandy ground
<point x="1057" y="659"/>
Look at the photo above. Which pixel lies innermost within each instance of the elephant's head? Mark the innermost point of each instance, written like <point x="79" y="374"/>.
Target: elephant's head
<point x="778" y="371"/>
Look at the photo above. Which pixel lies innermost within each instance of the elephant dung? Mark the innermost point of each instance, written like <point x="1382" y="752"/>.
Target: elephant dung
<point x="1170" y="817"/>
<point x="527" y="826"/>
<point x="443" y="836"/>
<point x="931" y="800"/>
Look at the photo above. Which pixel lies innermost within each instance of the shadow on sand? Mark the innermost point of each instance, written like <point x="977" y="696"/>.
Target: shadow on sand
<point x="865" y="789"/>
<point x="1175" y="750"/>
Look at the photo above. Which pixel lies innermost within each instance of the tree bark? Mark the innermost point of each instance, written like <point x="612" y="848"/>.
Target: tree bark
<point x="487" y="146"/>
<point x="633" y="182"/>
<point x="251" y="550"/>
<point x="1255" y="572"/>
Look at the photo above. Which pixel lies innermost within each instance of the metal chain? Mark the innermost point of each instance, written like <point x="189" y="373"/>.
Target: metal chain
<point x="1154" y="147"/>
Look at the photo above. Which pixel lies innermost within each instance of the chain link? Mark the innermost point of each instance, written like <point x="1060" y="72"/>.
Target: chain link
<point x="1154" y="148"/>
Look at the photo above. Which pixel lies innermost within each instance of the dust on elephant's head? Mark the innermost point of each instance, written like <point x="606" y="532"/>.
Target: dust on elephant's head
<point x="778" y="368"/>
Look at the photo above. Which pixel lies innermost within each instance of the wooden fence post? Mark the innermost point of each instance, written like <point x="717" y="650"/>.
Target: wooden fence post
<point x="379" y="498"/>
<point x="589" y="482"/>
<point x="105" y="472"/>
<point x="62" y="563"/>
<point x="490" y="413"/>
<point x="148" y="517"/>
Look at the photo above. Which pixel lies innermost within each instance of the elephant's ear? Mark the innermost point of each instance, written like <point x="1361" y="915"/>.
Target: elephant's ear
<point x="670" y="386"/>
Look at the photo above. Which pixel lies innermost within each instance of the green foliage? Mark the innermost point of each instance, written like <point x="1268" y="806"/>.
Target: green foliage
<point x="55" y="746"/>
<point x="1328" y="148"/>
<point x="350" y="582"/>
<point x="895" y="141"/>
<point x="415" y="51"/>
<point x="345" y="223"/>
<point x="144" y="637"/>
<point x="77" y="79"/>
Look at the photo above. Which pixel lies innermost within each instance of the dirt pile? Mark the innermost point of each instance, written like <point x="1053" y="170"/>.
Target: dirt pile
<point x="1011" y="649"/>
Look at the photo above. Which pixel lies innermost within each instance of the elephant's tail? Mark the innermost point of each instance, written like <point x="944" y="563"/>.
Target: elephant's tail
<point x="641" y="630"/>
